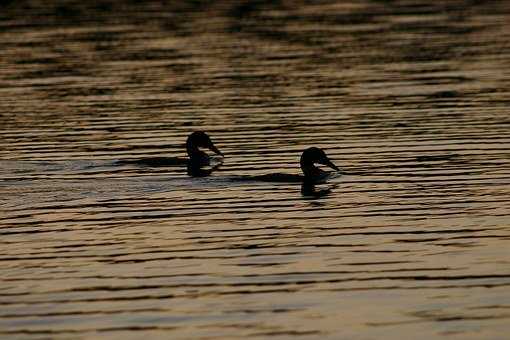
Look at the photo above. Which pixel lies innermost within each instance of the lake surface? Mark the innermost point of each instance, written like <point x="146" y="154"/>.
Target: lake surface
<point x="410" y="98"/>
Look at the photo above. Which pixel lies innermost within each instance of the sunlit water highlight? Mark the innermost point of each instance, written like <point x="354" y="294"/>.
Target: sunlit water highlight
<point x="409" y="98"/>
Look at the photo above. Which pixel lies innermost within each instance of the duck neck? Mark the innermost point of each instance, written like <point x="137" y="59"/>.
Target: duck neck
<point x="309" y="170"/>
<point x="196" y="156"/>
<point x="192" y="149"/>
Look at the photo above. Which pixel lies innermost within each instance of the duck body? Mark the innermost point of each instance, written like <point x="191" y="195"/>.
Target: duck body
<point x="318" y="177"/>
<point x="278" y="178"/>
<point x="154" y="162"/>
<point x="196" y="157"/>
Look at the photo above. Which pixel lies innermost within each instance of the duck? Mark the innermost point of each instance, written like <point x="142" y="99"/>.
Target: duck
<point x="196" y="157"/>
<point x="311" y="173"/>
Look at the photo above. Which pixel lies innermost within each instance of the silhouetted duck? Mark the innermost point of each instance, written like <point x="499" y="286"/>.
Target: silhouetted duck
<point x="197" y="158"/>
<point x="311" y="173"/>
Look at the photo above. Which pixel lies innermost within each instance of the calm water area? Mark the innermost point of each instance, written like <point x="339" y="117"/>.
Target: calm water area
<point x="411" y="99"/>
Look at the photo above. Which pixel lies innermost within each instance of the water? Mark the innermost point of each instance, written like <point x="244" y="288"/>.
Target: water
<point x="410" y="98"/>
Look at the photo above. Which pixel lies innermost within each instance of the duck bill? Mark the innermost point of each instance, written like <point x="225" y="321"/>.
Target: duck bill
<point x="327" y="162"/>
<point x="215" y="150"/>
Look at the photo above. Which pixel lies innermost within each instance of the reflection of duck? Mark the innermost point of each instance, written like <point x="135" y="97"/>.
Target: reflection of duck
<point x="308" y="190"/>
<point x="311" y="173"/>
<point x="197" y="158"/>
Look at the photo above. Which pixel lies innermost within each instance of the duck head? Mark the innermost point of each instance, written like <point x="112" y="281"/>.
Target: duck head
<point x="312" y="156"/>
<point x="199" y="139"/>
